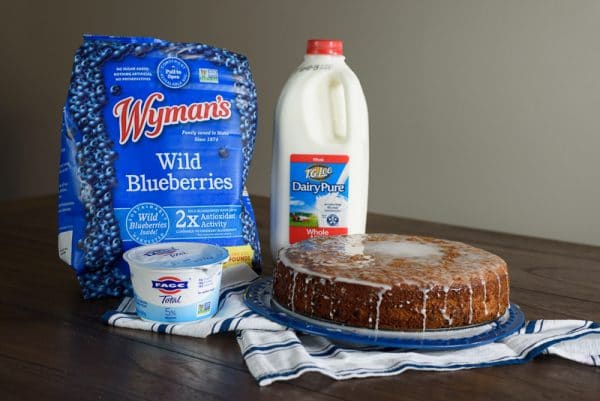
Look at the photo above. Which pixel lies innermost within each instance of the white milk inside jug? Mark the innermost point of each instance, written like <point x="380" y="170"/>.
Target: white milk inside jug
<point x="320" y="170"/>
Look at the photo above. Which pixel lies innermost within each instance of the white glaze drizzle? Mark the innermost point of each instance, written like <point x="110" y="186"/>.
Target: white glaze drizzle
<point x="485" y="308"/>
<point x="499" y="290"/>
<point x="380" y="294"/>
<point x="332" y="302"/>
<point x="445" y="309"/>
<point x="362" y="282"/>
<point x="407" y="250"/>
<point x="312" y="297"/>
<point x="470" y="303"/>
<point x="293" y="290"/>
<point x="306" y="281"/>
<point x="424" y="308"/>
<point x="507" y="290"/>
<point x="301" y="269"/>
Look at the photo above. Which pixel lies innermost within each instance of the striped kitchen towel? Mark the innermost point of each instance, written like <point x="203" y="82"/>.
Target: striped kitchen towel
<point x="273" y="353"/>
<point x="233" y="314"/>
<point x="285" y="355"/>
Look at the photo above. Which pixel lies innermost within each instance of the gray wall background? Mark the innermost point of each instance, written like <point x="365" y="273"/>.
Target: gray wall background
<point x="482" y="113"/>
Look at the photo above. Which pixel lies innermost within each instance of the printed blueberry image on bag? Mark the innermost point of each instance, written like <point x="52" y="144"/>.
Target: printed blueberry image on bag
<point x="157" y="140"/>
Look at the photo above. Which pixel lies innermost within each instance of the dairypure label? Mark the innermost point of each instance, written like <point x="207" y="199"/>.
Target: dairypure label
<point x="176" y="282"/>
<point x="318" y="196"/>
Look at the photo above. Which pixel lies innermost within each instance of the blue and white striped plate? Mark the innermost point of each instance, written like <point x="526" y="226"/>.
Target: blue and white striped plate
<point x="258" y="298"/>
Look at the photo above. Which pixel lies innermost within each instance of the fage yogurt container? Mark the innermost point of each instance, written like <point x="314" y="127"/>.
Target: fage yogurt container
<point x="176" y="282"/>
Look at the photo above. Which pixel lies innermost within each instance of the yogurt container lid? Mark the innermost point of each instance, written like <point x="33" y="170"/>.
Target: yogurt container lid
<point x="176" y="255"/>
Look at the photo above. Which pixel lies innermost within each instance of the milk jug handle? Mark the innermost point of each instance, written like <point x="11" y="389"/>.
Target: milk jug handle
<point x="350" y="96"/>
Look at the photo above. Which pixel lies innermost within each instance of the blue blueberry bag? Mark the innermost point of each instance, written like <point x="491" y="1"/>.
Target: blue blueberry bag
<point x="157" y="139"/>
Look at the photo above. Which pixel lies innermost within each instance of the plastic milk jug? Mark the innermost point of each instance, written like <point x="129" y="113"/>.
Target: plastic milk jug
<point x="320" y="170"/>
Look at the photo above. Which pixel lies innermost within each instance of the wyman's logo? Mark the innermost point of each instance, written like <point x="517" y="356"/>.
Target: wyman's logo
<point x="318" y="172"/>
<point x="169" y="285"/>
<point x="140" y="117"/>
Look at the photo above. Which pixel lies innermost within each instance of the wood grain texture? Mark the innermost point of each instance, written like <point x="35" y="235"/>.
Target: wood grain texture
<point x="53" y="345"/>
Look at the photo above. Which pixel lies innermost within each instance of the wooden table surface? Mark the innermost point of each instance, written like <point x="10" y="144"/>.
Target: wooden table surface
<point x="53" y="345"/>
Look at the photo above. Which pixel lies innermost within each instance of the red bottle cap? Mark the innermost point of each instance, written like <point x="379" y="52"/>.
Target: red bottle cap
<point x="325" y="46"/>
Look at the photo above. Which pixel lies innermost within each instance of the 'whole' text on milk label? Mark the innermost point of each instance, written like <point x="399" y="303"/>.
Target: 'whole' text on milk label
<point x="318" y="195"/>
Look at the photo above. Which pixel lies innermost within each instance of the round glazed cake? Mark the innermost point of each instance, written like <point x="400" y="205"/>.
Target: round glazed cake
<point x="391" y="281"/>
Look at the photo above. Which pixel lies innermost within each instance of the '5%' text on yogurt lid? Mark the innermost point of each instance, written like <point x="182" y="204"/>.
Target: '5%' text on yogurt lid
<point x="176" y="255"/>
